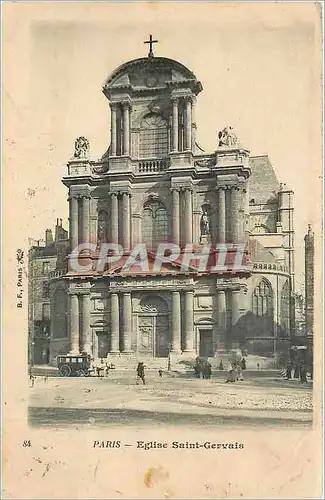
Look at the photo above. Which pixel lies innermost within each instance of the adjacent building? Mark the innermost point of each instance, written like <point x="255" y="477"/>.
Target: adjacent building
<point x="156" y="184"/>
<point x="43" y="260"/>
<point x="309" y="281"/>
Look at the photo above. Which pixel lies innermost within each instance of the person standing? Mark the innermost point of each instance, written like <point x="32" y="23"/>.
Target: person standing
<point x="288" y="371"/>
<point x="140" y="373"/>
<point x="208" y="370"/>
<point x="239" y="371"/>
<point x="243" y="364"/>
<point x="231" y="375"/>
<point x="303" y="373"/>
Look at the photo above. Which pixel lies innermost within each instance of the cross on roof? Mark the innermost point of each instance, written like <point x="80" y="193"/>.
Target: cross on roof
<point x="151" y="42"/>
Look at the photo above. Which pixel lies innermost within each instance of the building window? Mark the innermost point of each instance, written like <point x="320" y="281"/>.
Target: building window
<point x="154" y="223"/>
<point x="46" y="289"/>
<point x="102" y="227"/>
<point x="153" y="137"/>
<point x="262" y="322"/>
<point x="260" y="229"/>
<point x="46" y="311"/>
<point x="46" y="267"/>
<point x="262" y="300"/>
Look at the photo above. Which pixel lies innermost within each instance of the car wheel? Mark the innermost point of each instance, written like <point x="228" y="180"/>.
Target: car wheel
<point x="65" y="371"/>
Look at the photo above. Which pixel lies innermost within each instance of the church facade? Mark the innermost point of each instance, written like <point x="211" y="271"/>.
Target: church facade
<point x="155" y="186"/>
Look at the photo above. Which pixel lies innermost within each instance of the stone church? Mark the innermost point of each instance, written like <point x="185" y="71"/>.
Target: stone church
<point x="156" y="184"/>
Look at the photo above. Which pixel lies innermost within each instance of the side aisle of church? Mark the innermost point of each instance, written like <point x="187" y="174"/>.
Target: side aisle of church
<point x="156" y="185"/>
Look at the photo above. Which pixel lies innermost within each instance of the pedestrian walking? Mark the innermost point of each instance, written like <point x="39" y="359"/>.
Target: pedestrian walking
<point x="208" y="369"/>
<point x="231" y="375"/>
<point x="288" y="371"/>
<point x="197" y="370"/>
<point x="221" y="365"/>
<point x="160" y="372"/>
<point x="243" y="364"/>
<point x="239" y="371"/>
<point x="297" y="371"/>
<point x="204" y="370"/>
<point x="140" y="373"/>
<point x="303" y="373"/>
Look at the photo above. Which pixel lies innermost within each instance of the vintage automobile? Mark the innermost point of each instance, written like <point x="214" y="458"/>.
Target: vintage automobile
<point x="74" y="365"/>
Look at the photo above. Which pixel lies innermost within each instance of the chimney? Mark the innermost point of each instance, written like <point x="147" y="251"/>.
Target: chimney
<point x="60" y="222"/>
<point x="48" y="237"/>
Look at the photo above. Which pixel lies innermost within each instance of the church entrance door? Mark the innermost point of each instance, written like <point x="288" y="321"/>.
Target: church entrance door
<point x="153" y="335"/>
<point x="206" y="347"/>
<point x="153" y="327"/>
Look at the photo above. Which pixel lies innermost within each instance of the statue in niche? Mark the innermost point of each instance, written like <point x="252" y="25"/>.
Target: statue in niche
<point x="205" y="224"/>
<point x="81" y="148"/>
<point x="228" y="138"/>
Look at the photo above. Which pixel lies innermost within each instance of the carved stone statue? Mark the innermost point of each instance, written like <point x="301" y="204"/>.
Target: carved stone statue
<point x="228" y="138"/>
<point x="205" y="225"/>
<point x="81" y="148"/>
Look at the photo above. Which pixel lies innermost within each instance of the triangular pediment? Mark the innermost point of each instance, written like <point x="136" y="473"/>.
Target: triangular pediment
<point x="150" y="264"/>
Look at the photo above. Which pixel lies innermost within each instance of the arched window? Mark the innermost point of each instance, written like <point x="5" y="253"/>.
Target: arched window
<point x="102" y="227"/>
<point x="262" y="299"/>
<point x="60" y="314"/>
<point x="153" y="137"/>
<point x="260" y="229"/>
<point x="154" y="223"/>
<point x="262" y="323"/>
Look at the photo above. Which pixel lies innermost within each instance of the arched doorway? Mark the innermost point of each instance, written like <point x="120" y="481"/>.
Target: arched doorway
<point x="153" y="327"/>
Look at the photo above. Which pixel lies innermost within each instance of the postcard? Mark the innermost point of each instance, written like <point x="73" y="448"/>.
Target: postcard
<point x="162" y="250"/>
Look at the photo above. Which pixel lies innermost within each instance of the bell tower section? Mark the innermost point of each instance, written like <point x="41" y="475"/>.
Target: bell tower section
<point x="152" y="102"/>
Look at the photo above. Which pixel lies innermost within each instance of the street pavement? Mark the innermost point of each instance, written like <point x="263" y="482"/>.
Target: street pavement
<point x="173" y="400"/>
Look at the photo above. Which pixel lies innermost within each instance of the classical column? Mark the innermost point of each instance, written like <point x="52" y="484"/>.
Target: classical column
<point x="189" y="322"/>
<point x="235" y="215"/>
<point x="176" y="322"/>
<point x="235" y="306"/>
<point x="196" y="226"/>
<point x="175" y="216"/>
<point x="221" y="312"/>
<point x="188" y="123"/>
<point x="114" y="218"/>
<point x="126" y="220"/>
<point x="115" y="324"/>
<point x="113" y="128"/>
<point x="193" y="123"/>
<point x="86" y="330"/>
<point x="85" y="219"/>
<point x="175" y="124"/>
<point x="188" y="216"/>
<point x="126" y="128"/>
<point x="222" y="214"/>
<point x="74" y="323"/>
<point x="74" y="222"/>
<point x="246" y="209"/>
<point x="127" y="322"/>
<point x="241" y="211"/>
<point x="235" y="315"/>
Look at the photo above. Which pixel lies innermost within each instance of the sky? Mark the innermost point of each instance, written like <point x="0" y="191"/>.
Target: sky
<point x="259" y="65"/>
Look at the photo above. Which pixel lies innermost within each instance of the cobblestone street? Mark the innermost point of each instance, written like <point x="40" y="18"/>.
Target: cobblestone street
<point x="169" y="401"/>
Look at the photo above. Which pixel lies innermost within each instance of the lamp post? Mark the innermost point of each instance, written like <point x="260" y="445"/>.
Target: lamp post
<point x="31" y="357"/>
<point x="169" y="348"/>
